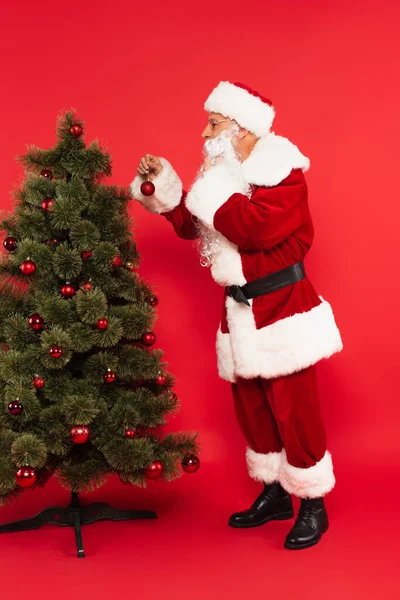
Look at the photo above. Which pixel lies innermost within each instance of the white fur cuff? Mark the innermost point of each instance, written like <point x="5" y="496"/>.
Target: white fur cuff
<point x="264" y="467"/>
<point x="168" y="192"/>
<point x="313" y="482"/>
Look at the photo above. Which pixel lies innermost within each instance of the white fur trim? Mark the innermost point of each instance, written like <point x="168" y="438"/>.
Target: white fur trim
<point x="286" y="346"/>
<point x="264" y="467"/>
<point x="271" y="161"/>
<point x="168" y="192"/>
<point x="313" y="482"/>
<point x="238" y="104"/>
<point x="211" y="190"/>
<point x="226" y="368"/>
<point x="226" y="265"/>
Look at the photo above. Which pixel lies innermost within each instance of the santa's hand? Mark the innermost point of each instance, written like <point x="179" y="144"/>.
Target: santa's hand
<point x="150" y="166"/>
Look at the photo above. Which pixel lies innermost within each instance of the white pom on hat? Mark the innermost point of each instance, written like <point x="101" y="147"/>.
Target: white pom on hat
<point x="246" y="106"/>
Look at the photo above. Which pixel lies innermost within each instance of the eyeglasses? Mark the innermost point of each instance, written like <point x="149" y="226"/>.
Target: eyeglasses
<point x="213" y="123"/>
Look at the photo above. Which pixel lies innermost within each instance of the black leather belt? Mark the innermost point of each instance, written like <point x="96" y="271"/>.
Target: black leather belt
<point x="266" y="285"/>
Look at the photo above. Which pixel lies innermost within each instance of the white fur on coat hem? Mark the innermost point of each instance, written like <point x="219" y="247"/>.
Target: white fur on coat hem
<point x="313" y="482"/>
<point x="288" y="345"/>
<point x="226" y="368"/>
<point x="264" y="467"/>
<point x="168" y="193"/>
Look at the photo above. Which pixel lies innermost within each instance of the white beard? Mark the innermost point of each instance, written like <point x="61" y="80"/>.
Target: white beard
<point x="213" y="247"/>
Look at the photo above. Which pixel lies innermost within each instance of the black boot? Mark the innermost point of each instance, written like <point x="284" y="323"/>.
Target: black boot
<point x="310" y="525"/>
<point x="273" y="504"/>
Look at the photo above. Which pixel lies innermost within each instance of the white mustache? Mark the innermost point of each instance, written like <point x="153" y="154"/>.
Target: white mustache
<point x="222" y="145"/>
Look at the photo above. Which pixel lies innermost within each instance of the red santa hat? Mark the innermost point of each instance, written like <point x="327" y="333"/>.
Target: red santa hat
<point x="246" y="106"/>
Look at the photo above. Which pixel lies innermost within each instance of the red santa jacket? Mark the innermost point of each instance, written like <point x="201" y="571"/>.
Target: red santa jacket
<point x="259" y="221"/>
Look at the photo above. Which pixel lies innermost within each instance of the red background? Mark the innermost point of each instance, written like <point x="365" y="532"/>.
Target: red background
<point x="139" y="73"/>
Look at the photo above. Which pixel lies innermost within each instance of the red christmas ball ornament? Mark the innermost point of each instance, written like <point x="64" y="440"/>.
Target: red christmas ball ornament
<point x="155" y="470"/>
<point x="86" y="255"/>
<point x="15" y="408"/>
<point x="47" y="204"/>
<point x="148" y="338"/>
<point x="26" y="476"/>
<point x="147" y="188"/>
<point x="110" y="376"/>
<point x="76" y="130"/>
<point x="55" y="351"/>
<point x="190" y="463"/>
<point x="116" y="261"/>
<point x="138" y="383"/>
<point x="87" y="286"/>
<point x="52" y="242"/>
<point x="28" y="267"/>
<point x="141" y="431"/>
<point x="80" y="434"/>
<point x="38" y="382"/>
<point x="161" y="379"/>
<point x="173" y="396"/>
<point x="36" y="322"/>
<point x="10" y="243"/>
<point x="153" y="301"/>
<point x="129" y="265"/>
<point x="67" y="290"/>
<point x="47" y="174"/>
<point x="102" y="324"/>
<point x="130" y="433"/>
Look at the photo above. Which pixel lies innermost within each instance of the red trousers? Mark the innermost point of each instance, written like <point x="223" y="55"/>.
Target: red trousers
<point x="282" y="413"/>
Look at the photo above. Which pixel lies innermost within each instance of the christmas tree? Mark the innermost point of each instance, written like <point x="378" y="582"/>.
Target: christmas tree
<point x="83" y="393"/>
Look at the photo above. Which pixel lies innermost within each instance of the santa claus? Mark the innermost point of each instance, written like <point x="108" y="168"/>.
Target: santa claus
<point x="248" y="208"/>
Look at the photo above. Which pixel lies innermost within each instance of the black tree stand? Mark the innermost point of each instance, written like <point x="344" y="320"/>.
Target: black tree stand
<point x="76" y="515"/>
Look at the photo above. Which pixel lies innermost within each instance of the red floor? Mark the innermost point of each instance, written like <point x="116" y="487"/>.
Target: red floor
<point x="190" y="553"/>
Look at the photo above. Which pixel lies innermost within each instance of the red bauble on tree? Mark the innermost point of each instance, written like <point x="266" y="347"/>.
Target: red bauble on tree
<point x="153" y="301"/>
<point x="130" y="433"/>
<point x="148" y="338"/>
<point x="102" y="324"/>
<point x="10" y="243"/>
<point x="161" y="379"/>
<point x="15" y="408"/>
<point x="76" y="130"/>
<point x="155" y="470"/>
<point x="36" y="322"/>
<point x="55" y="351"/>
<point x="26" y="476"/>
<point x="147" y="188"/>
<point x="67" y="290"/>
<point x="52" y="242"/>
<point x="28" y="267"/>
<point x="129" y="265"/>
<point x="190" y="463"/>
<point x="80" y="434"/>
<point x="38" y="382"/>
<point x="116" y="261"/>
<point x="173" y="396"/>
<point x="141" y="431"/>
<point x="47" y="174"/>
<point x="110" y="376"/>
<point x="86" y="255"/>
<point x="87" y="286"/>
<point x="137" y="384"/>
<point x="47" y="204"/>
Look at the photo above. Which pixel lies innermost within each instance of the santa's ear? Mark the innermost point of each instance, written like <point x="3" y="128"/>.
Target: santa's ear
<point x="243" y="133"/>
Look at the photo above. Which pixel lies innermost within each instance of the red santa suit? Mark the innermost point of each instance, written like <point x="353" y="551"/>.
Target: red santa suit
<point x="257" y="220"/>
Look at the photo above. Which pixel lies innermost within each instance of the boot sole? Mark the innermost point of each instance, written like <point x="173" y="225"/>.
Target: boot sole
<point x="278" y="517"/>
<point x="310" y="544"/>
